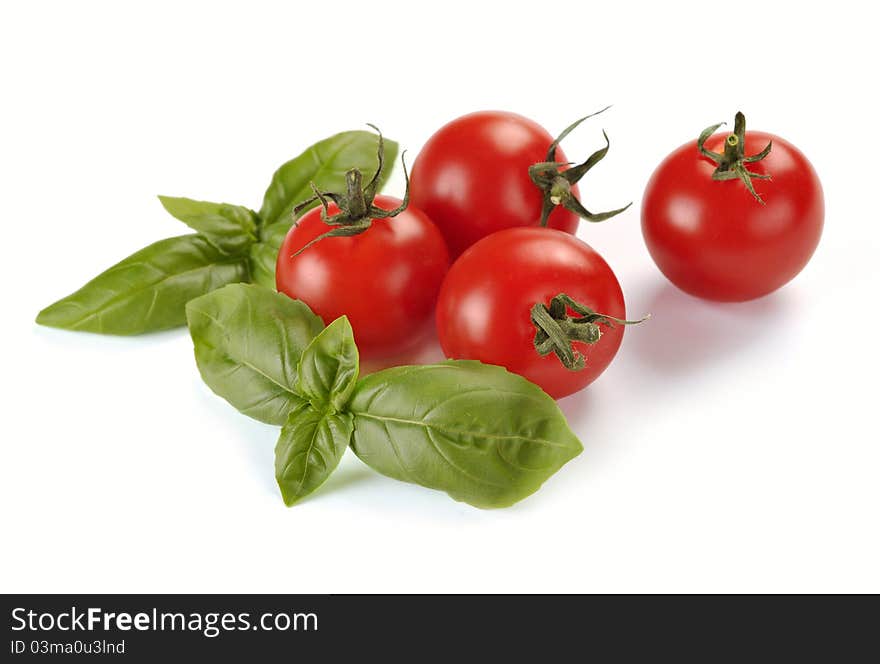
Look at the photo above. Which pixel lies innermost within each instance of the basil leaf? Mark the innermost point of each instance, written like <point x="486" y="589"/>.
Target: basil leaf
<point x="325" y="164"/>
<point x="328" y="369"/>
<point x="231" y="228"/>
<point x="481" y="434"/>
<point x="148" y="290"/>
<point x="309" y="448"/>
<point x="248" y="341"/>
<point x="264" y="254"/>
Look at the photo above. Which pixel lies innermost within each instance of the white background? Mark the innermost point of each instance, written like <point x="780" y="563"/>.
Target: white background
<point x="728" y="448"/>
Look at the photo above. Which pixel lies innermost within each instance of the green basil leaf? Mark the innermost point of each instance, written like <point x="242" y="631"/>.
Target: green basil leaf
<point x="264" y="254"/>
<point x="231" y="228"/>
<point x="309" y="448"/>
<point x="325" y="164"/>
<point x="248" y="342"/>
<point x="148" y="290"/>
<point x="328" y="369"/>
<point x="481" y="434"/>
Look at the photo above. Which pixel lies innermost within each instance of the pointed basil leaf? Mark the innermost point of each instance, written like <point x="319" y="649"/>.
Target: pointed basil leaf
<point x="248" y="341"/>
<point x="328" y="369"/>
<point x="231" y="228"/>
<point x="325" y="164"/>
<point x="309" y="448"/>
<point x="148" y="290"/>
<point x="481" y="434"/>
<point x="264" y="254"/>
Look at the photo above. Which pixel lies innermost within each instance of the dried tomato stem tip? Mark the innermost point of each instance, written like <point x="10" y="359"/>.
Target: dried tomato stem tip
<point x="556" y="330"/>
<point x="356" y="209"/>
<point x="556" y="183"/>
<point x="731" y="163"/>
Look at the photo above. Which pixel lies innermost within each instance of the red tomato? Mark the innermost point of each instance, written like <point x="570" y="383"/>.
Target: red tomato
<point x="715" y="239"/>
<point x="385" y="279"/>
<point x="472" y="178"/>
<point x="484" y="307"/>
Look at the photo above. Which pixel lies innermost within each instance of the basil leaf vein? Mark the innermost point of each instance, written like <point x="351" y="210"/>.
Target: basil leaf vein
<point x="328" y="368"/>
<point x="230" y="228"/>
<point x="481" y="434"/>
<point x="148" y="290"/>
<point x="248" y="342"/>
<point x="309" y="448"/>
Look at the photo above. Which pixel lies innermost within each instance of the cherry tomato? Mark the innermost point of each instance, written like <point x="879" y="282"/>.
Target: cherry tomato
<point x="385" y="279"/>
<point x="472" y="178"/>
<point x="485" y="310"/>
<point x="715" y="239"/>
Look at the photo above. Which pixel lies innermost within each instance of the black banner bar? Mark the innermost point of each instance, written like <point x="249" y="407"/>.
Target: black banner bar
<point x="416" y="628"/>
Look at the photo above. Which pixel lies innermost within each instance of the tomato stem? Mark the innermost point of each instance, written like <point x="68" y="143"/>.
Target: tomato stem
<point x="356" y="210"/>
<point x="556" y="330"/>
<point x="357" y="200"/>
<point x="731" y="163"/>
<point x="556" y="178"/>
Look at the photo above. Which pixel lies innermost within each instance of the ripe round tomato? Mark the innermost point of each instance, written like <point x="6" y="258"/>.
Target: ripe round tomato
<point x="714" y="239"/>
<point x="385" y="279"/>
<point x="472" y="178"/>
<point x="484" y="311"/>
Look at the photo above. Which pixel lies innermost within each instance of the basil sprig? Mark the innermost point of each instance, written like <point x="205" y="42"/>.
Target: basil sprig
<point x="148" y="290"/>
<point x="318" y="430"/>
<point x="483" y="435"/>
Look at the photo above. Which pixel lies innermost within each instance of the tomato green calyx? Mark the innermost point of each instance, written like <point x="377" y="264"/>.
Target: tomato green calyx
<point x="556" y="183"/>
<point x="356" y="209"/>
<point x="556" y="329"/>
<point x="732" y="162"/>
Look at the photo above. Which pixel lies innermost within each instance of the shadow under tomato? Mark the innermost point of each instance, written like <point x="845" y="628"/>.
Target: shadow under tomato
<point x="426" y="351"/>
<point x="686" y="333"/>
